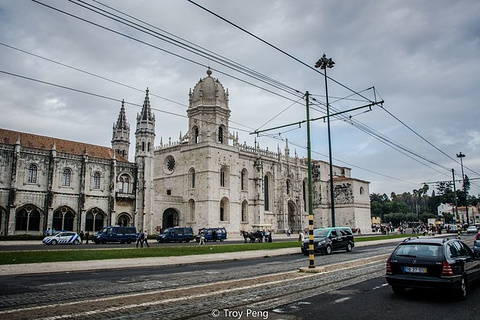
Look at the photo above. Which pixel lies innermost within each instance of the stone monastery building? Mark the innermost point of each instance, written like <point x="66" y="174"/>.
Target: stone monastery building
<point x="206" y="179"/>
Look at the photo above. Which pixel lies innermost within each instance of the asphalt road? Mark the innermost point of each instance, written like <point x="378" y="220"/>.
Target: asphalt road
<point x="374" y="299"/>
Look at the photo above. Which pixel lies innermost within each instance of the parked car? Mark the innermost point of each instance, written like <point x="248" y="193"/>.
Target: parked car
<point x="452" y="228"/>
<point x="439" y="263"/>
<point x="65" y="237"/>
<point x="116" y="234"/>
<point x="476" y="248"/>
<point x="327" y="240"/>
<point x="176" y="234"/>
<point x="472" y="229"/>
<point x="212" y="234"/>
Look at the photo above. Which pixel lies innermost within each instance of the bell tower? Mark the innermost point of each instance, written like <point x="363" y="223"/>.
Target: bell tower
<point x="121" y="134"/>
<point x="144" y="150"/>
<point x="208" y="112"/>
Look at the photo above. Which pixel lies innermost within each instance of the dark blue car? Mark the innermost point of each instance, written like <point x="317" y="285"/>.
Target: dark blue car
<point x="212" y="234"/>
<point x="176" y="234"/>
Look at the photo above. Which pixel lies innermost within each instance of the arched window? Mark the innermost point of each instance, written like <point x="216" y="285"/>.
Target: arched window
<point x="57" y="221"/>
<point x="94" y="220"/>
<point x="98" y="222"/>
<point x="68" y="221"/>
<point x="96" y="180"/>
<point x="148" y="147"/>
<point x="288" y="187"/>
<point x="27" y="219"/>
<point x="67" y="177"/>
<point x="361" y="190"/>
<point x="123" y="184"/>
<point x="244" y="179"/>
<point x="224" y="177"/>
<point x="21" y="220"/>
<point x="266" y="192"/>
<point x="63" y="219"/>
<point x="220" y="134"/>
<point x="196" y="138"/>
<point x="89" y="221"/>
<point x="34" y="221"/>
<point x="224" y="209"/>
<point x="143" y="146"/>
<point x="245" y="211"/>
<point x="192" y="178"/>
<point x="191" y="208"/>
<point x="32" y="173"/>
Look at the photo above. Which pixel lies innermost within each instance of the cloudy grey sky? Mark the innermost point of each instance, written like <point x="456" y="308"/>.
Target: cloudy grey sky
<point x="422" y="57"/>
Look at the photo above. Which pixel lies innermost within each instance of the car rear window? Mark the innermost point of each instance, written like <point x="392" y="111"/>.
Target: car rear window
<point x="321" y="232"/>
<point x="419" y="250"/>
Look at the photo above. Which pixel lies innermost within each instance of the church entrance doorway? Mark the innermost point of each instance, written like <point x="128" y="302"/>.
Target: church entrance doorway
<point x="124" y="220"/>
<point x="293" y="217"/>
<point x="170" y="218"/>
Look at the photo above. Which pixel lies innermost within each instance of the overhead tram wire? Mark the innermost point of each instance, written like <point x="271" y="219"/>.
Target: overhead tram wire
<point x="89" y="73"/>
<point x="186" y="46"/>
<point x="277" y="48"/>
<point x="170" y="113"/>
<point x="163" y="50"/>
<point x="193" y="44"/>
<point x="431" y="144"/>
<point x="305" y="64"/>
<point x="106" y="79"/>
<point x="104" y="97"/>
<point x="167" y="51"/>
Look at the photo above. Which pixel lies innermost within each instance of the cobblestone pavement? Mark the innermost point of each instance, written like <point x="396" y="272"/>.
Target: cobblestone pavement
<point x="194" y="294"/>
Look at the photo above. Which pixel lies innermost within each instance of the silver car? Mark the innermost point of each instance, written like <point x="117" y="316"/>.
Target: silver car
<point x="65" y="237"/>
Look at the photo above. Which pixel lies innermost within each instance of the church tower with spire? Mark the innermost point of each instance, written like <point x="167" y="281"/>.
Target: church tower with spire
<point x="121" y="134"/>
<point x="144" y="158"/>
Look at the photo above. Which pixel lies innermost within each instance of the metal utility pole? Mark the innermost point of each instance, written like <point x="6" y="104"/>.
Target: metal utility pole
<point x="311" y="249"/>
<point x="461" y="156"/>
<point x="456" y="205"/>
<point x="324" y="63"/>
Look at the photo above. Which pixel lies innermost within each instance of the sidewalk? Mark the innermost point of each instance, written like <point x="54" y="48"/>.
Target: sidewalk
<point x="89" y="265"/>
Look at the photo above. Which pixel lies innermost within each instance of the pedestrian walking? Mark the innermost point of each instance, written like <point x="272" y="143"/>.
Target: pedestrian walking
<point x="82" y="235"/>
<point x="145" y="236"/>
<point x="140" y="238"/>
<point x="47" y="232"/>
<point x="87" y="235"/>
<point x="202" y="239"/>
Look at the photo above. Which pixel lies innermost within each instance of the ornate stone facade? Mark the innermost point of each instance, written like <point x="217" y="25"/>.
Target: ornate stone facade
<point x="205" y="179"/>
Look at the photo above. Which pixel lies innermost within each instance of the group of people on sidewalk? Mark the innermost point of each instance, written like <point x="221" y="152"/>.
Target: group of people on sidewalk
<point x="142" y="238"/>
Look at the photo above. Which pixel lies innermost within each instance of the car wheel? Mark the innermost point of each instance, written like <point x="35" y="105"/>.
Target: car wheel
<point x="398" y="290"/>
<point x="104" y="241"/>
<point x="349" y="247"/>
<point x="462" y="288"/>
<point x="129" y="241"/>
<point x="54" y="242"/>
<point x="328" y="250"/>
<point x="187" y="241"/>
<point x="76" y="242"/>
<point x="305" y="253"/>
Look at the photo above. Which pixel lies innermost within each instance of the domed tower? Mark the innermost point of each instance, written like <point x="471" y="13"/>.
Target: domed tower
<point x="208" y="112"/>
<point x="121" y="134"/>
<point x="144" y="150"/>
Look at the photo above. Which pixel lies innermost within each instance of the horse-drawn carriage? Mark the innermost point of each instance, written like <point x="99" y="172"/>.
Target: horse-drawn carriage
<point x="261" y="234"/>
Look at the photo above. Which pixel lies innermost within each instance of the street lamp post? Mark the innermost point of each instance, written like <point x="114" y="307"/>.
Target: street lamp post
<point x="461" y="156"/>
<point x="324" y="63"/>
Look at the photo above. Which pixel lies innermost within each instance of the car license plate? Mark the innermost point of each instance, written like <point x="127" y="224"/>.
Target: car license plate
<point x="414" y="270"/>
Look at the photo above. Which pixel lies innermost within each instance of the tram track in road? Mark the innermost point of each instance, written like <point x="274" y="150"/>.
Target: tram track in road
<point x="258" y="292"/>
